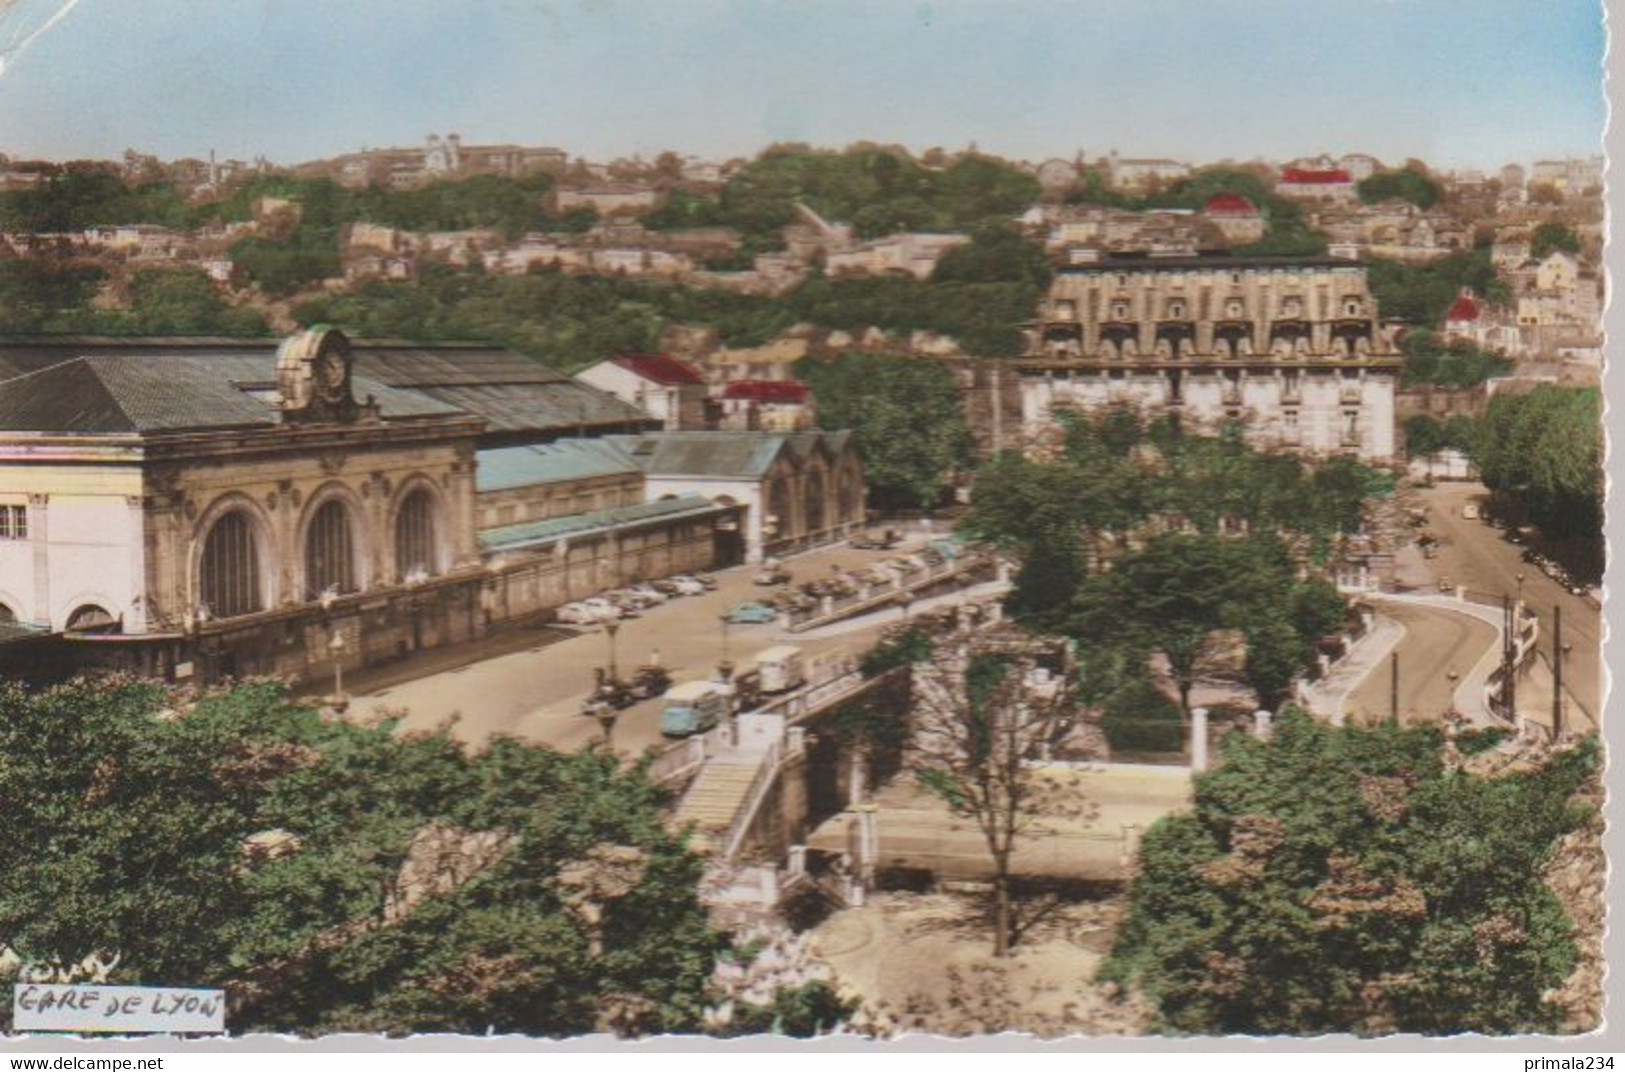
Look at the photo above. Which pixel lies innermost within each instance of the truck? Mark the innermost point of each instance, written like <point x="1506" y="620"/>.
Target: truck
<point x="694" y="707"/>
<point x="781" y="669"/>
<point x="1470" y="511"/>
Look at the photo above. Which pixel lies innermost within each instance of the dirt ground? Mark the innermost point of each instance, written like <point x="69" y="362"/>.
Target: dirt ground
<point x="924" y="963"/>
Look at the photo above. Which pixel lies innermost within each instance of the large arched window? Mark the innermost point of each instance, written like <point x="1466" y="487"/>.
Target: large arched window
<point x="330" y="551"/>
<point x="417" y="541"/>
<point x="229" y="572"/>
<point x="92" y="618"/>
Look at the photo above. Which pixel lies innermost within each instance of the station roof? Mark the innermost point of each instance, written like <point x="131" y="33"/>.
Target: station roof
<point x="531" y="533"/>
<point x="503" y="468"/>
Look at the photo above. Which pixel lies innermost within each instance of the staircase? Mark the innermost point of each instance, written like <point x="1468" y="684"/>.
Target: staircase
<point x="713" y="802"/>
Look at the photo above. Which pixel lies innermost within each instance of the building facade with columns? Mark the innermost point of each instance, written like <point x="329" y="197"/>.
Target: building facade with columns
<point x="1290" y="348"/>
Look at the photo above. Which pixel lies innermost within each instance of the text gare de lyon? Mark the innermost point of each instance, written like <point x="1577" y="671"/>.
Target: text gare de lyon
<point x="157" y="1003"/>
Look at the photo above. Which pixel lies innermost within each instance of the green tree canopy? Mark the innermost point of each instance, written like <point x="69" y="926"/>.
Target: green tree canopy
<point x="1337" y="879"/>
<point x="1544" y="449"/>
<point x="1458" y="363"/>
<point x="1419" y="294"/>
<point x="1404" y="184"/>
<point x="1552" y="237"/>
<point x="905" y="416"/>
<point x="133" y="822"/>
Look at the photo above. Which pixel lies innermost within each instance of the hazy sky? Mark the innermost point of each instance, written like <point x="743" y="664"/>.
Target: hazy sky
<point x="1456" y="82"/>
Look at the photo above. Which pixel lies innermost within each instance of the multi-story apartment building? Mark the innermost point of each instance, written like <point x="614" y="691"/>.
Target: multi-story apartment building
<point x="1292" y="348"/>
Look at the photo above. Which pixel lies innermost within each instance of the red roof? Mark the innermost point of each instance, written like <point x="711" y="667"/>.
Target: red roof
<point x="1229" y="205"/>
<point x="766" y="390"/>
<point x="1463" y="308"/>
<point x="1322" y="178"/>
<point x="661" y="368"/>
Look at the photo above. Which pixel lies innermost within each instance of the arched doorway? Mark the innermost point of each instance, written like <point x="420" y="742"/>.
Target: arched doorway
<point x="417" y="536"/>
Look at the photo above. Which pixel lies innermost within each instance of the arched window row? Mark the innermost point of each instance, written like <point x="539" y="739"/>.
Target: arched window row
<point x="232" y="578"/>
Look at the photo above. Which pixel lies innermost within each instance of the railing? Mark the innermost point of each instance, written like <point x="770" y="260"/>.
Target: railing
<point x="767" y="773"/>
<point x="682" y="757"/>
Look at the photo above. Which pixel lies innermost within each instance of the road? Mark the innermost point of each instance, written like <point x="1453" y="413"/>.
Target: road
<point x="1435" y="642"/>
<point x="537" y="694"/>
<point x="1478" y="556"/>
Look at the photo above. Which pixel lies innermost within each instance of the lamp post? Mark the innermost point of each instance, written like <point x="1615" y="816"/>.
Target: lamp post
<point x="725" y="668"/>
<point x="606" y="715"/>
<point x="1519" y="579"/>
<point x="610" y="629"/>
<point x="335" y="648"/>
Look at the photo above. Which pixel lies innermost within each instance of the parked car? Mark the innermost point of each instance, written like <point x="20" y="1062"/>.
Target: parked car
<point x="589" y="612"/>
<point x="688" y="586"/>
<point x="648" y="593"/>
<point x="772" y="572"/>
<point x="876" y="541"/>
<point x="693" y="707"/>
<point x="706" y="580"/>
<point x="667" y="587"/>
<point x="751" y="613"/>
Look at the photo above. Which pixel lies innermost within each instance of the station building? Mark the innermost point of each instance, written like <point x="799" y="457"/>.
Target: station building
<point x="196" y="512"/>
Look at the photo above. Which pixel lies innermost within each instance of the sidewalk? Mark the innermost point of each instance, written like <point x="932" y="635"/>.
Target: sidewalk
<point x="1327" y="697"/>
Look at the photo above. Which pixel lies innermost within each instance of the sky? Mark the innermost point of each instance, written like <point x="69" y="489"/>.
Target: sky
<point x="1458" y="83"/>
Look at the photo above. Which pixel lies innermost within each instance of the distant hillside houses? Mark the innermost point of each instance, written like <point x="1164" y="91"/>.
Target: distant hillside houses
<point x="438" y="158"/>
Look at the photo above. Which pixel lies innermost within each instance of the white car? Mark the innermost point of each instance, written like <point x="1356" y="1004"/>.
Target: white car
<point x="688" y="586"/>
<point x="588" y="612"/>
<point x="648" y="594"/>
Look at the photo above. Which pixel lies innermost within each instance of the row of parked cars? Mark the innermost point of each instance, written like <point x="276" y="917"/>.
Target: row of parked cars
<point x="1555" y="570"/>
<point x="633" y="600"/>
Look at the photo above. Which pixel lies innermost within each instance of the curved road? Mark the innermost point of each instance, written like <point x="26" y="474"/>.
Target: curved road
<point x="1477" y="555"/>
<point x="1435" y="642"/>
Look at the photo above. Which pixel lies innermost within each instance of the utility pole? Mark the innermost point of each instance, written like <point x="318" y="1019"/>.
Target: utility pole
<point x="1557" y="674"/>
<point x="1393" y="688"/>
<point x="1509" y="658"/>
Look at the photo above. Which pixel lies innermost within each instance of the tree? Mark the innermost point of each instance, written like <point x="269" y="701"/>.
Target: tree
<point x="996" y="253"/>
<point x="1552" y="237"/>
<point x="1339" y="879"/>
<point x="332" y="877"/>
<point x="979" y="726"/>
<point x="1544" y="449"/>
<point x="905" y="416"/>
<point x="1410" y="183"/>
<point x="1173" y="597"/>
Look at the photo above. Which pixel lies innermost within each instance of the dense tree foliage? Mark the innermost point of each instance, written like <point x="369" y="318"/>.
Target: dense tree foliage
<point x="1426" y="435"/>
<point x="1458" y="363"/>
<point x="41" y="297"/>
<point x="1419" y="294"/>
<point x="996" y="253"/>
<point x="1119" y="475"/>
<point x="1552" y="237"/>
<point x="131" y="827"/>
<point x="1544" y="449"/>
<point x="1338" y="879"/>
<point x="877" y="190"/>
<point x="1409" y="183"/>
<point x="1180" y="594"/>
<point x="905" y="416"/>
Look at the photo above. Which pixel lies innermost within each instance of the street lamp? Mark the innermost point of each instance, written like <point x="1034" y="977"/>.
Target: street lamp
<point x="335" y="648"/>
<point x="1520" y="588"/>
<point x="606" y="715"/>
<point x="725" y="668"/>
<point x="610" y="629"/>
